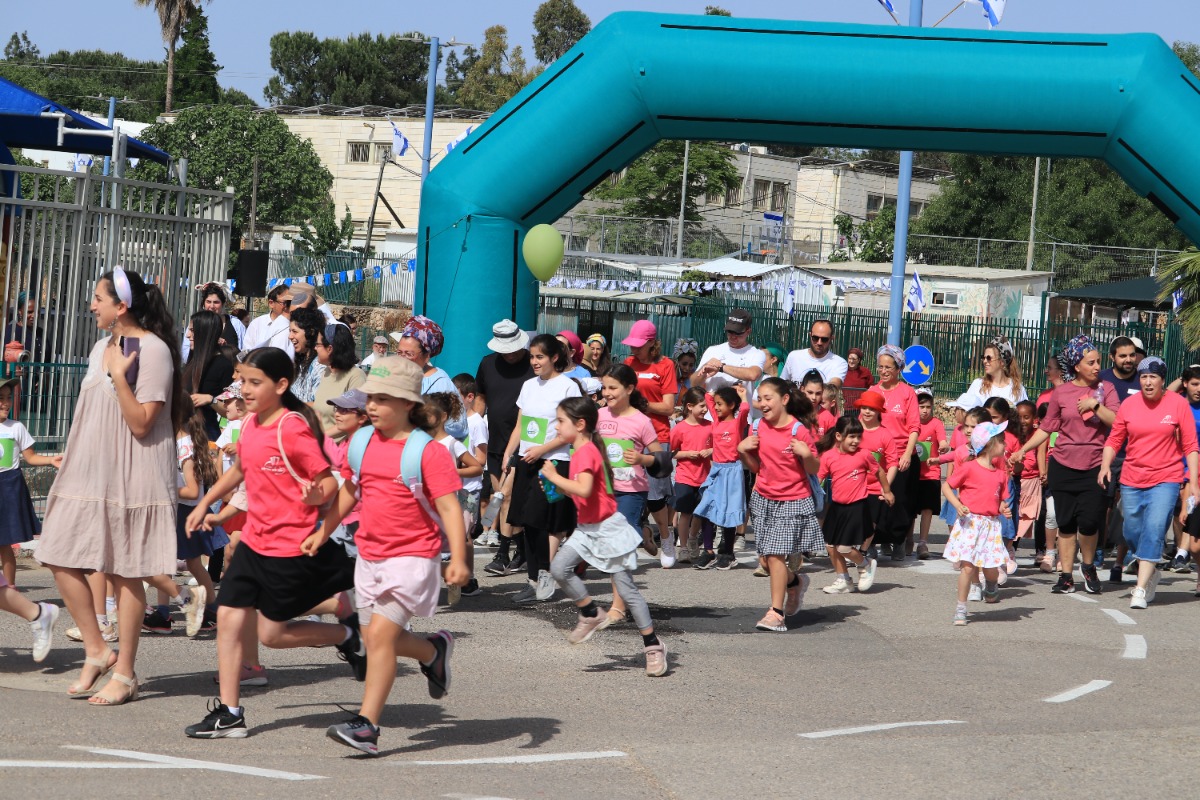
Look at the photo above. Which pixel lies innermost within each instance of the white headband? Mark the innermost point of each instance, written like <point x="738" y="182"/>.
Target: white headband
<point x="121" y="284"/>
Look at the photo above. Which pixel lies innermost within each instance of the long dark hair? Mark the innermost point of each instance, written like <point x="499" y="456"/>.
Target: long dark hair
<point x="342" y="358"/>
<point x="150" y="310"/>
<point x="202" y="456"/>
<point x="276" y="365"/>
<point x="582" y="408"/>
<point x="311" y="322"/>
<point x="206" y="330"/>
<point x="625" y="376"/>
<point x="551" y="346"/>
<point x="797" y="404"/>
<point x="846" y="426"/>
<point x="1001" y="406"/>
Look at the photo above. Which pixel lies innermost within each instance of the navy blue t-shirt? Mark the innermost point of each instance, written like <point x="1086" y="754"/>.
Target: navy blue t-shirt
<point x="1125" y="389"/>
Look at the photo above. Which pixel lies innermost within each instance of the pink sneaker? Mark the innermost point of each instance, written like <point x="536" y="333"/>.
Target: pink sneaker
<point x="656" y="660"/>
<point x="795" y="596"/>
<point x="772" y="621"/>
<point x="586" y="627"/>
<point x="249" y="676"/>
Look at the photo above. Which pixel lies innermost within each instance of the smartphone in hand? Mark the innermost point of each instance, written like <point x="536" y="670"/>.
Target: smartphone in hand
<point x="132" y="344"/>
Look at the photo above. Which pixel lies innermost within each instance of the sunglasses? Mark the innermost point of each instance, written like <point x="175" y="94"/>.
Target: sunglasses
<point x="819" y="339"/>
<point x="987" y="359"/>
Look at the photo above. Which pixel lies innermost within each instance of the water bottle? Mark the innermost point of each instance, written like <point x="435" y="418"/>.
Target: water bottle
<point x="553" y="495"/>
<point x="493" y="510"/>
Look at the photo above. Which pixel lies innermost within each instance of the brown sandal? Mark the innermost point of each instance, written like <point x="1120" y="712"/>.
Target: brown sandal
<point x="131" y="685"/>
<point x="102" y="664"/>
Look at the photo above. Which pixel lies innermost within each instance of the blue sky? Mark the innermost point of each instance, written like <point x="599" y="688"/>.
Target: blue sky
<point x="240" y="31"/>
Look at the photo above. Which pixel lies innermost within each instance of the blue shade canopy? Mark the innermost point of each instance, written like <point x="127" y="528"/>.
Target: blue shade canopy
<point x="22" y="126"/>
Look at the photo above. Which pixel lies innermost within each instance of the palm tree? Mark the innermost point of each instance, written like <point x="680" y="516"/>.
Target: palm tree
<point x="172" y="15"/>
<point x="1182" y="272"/>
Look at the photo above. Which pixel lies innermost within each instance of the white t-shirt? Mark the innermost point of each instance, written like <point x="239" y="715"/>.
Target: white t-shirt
<point x="267" y="332"/>
<point x="477" y="433"/>
<point x="14" y="440"/>
<point x="229" y="435"/>
<point x="975" y="397"/>
<point x="799" y="362"/>
<point x="538" y="404"/>
<point x="183" y="450"/>
<point x="458" y="450"/>
<point x="748" y="356"/>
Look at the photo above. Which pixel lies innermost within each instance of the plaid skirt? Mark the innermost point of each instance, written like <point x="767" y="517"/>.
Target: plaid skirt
<point x="785" y="527"/>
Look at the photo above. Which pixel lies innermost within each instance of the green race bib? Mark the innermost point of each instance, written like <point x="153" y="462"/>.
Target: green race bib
<point x="614" y="451"/>
<point x="1053" y="438"/>
<point x="8" y="453"/>
<point x="878" y="457"/>
<point x="534" y="430"/>
<point x="924" y="449"/>
<point x="235" y="434"/>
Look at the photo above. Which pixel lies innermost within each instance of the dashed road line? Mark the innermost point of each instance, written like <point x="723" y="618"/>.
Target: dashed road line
<point x="1120" y="617"/>
<point x="1082" y="598"/>
<point x="1078" y="691"/>
<point x="872" y="728"/>
<point x="1135" y="646"/>
<point x="530" y="759"/>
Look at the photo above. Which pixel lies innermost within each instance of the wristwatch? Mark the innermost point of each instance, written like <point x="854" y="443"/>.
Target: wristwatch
<point x="722" y="369"/>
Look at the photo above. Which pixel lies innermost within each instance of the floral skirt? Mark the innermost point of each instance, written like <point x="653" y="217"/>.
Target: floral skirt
<point x="976" y="540"/>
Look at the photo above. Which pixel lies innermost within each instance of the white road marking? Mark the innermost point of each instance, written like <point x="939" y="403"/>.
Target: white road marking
<point x="1078" y="691"/>
<point x="18" y="764"/>
<point x="936" y="566"/>
<point x="1135" y="646"/>
<point x="1083" y="598"/>
<point x="474" y="797"/>
<point x="531" y="759"/>
<point x="871" y="728"/>
<point x="1121" y="617"/>
<point x="171" y="762"/>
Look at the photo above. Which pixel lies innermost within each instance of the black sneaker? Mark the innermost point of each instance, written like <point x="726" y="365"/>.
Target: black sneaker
<point x="1091" y="581"/>
<point x="1065" y="585"/>
<point x="471" y="589"/>
<point x="1180" y="564"/>
<point x="357" y="732"/>
<point x="1114" y="574"/>
<point x="438" y="673"/>
<point x="517" y="564"/>
<point x="219" y="724"/>
<point x="898" y="552"/>
<point x="499" y="566"/>
<point x="725" y="562"/>
<point x="210" y="621"/>
<point x="704" y="560"/>
<point x="156" y="622"/>
<point x="352" y="651"/>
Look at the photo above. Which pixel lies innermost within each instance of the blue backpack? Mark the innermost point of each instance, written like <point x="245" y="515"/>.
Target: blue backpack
<point x="410" y="463"/>
<point x="818" y="491"/>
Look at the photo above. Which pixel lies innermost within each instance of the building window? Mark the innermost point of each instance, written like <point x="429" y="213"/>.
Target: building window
<point x="944" y="299"/>
<point x="358" y="152"/>
<point x="382" y="151"/>
<point x="762" y="190"/>
<point x="779" y="193"/>
<point x="875" y="202"/>
<point x="733" y="195"/>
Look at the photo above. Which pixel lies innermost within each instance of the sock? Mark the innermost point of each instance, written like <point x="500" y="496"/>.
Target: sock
<point x="845" y="576"/>
<point x="349" y="633"/>
<point x="778" y="611"/>
<point x="649" y="639"/>
<point x="235" y="710"/>
<point x="1180" y="552"/>
<point x="185" y="594"/>
<point x="961" y="607"/>
<point x="110" y="606"/>
<point x="990" y="587"/>
<point x="795" y="580"/>
<point x="590" y="611"/>
<point x="102" y="620"/>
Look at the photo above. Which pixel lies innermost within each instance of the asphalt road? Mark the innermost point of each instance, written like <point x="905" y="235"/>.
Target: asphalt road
<point x="742" y="713"/>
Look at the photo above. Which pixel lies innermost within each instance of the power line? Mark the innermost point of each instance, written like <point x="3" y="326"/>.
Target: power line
<point x="132" y="70"/>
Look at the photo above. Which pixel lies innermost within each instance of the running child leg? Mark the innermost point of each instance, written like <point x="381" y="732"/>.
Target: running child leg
<point x="40" y="616"/>
<point x="656" y="651"/>
<point x="590" y="619"/>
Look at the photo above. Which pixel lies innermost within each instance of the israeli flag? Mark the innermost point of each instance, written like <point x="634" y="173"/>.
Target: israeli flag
<point x="888" y="5"/>
<point x="82" y="162"/>
<point x="992" y="9"/>
<point x="399" y="142"/>
<point x="916" y="295"/>
<point x="1177" y="300"/>
<point x="458" y="140"/>
<point x="789" y="300"/>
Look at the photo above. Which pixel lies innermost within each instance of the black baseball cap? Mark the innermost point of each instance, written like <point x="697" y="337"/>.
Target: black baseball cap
<point x="738" y="321"/>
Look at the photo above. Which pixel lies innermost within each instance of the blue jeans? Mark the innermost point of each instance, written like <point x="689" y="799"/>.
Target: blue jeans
<point x="631" y="505"/>
<point x="1147" y="514"/>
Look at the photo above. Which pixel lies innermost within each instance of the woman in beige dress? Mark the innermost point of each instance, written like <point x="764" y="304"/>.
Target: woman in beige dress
<point x="112" y="508"/>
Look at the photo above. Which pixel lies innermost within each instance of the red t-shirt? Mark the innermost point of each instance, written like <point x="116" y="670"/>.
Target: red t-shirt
<point x="957" y="437"/>
<point x="980" y="489"/>
<point x="277" y="518"/>
<point x="1081" y="444"/>
<point x="393" y="522"/>
<point x="849" y="472"/>
<point x="727" y="434"/>
<point x="655" y="381"/>
<point x="601" y="505"/>
<point x="1159" y="436"/>
<point x="1029" y="465"/>
<point x="693" y="438"/>
<point x="933" y="433"/>
<point x="826" y="421"/>
<point x="902" y="417"/>
<point x="878" y="443"/>
<point x="781" y="476"/>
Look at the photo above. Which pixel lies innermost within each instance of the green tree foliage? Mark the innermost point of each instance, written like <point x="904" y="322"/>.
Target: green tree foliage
<point x="324" y="234"/>
<point x="196" y="67"/>
<point x="356" y="71"/>
<point x="651" y="184"/>
<point x="557" y="26"/>
<point x="19" y="48"/>
<point x="872" y="241"/>
<point x="455" y="73"/>
<point x="497" y="75"/>
<point x="220" y="143"/>
<point x="85" y="79"/>
<point x="1189" y="54"/>
<point x="236" y="97"/>
<point x="1182" y="271"/>
<point x="172" y="15"/>
<point x="716" y="11"/>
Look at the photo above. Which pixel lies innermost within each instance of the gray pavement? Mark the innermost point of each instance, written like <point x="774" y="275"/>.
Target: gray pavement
<point x="543" y="719"/>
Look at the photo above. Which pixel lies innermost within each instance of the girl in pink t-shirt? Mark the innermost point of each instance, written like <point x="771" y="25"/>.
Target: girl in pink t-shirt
<point x="975" y="542"/>
<point x="931" y="436"/>
<point x="692" y="446"/>
<point x="783" y="453"/>
<point x="723" y="499"/>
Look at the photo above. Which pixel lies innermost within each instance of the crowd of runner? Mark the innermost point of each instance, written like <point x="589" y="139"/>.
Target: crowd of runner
<point x="270" y="478"/>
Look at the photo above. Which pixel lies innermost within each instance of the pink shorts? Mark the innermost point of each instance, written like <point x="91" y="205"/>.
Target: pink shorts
<point x="398" y="588"/>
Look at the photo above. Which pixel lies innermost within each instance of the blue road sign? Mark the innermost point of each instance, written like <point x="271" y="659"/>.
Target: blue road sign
<point x="918" y="365"/>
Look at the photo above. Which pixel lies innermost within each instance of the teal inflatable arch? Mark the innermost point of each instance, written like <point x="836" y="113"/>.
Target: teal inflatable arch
<point x="638" y="78"/>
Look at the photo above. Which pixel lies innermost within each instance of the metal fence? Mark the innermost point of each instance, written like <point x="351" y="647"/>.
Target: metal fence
<point x="371" y="281"/>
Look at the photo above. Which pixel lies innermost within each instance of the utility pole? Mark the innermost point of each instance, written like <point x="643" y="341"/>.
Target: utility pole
<point x="1037" y="174"/>
<point x="383" y="162"/>
<point x="683" y="199"/>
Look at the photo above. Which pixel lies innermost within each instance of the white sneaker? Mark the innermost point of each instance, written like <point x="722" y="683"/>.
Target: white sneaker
<point x="866" y="574"/>
<point x="493" y="538"/>
<point x="666" y="553"/>
<point x="1001" y="576"/>
<point x="1152" y="585"/>
<point x="43" y="631"/>
<point x="1139" y="599"/>
<point x="546" y="587"/>
<point x="744" y="545"/>
<point x="193" y="608"/>
<point x="108" y="632"/>
<point x="976" y="592"/>
<point x="839" y="586"/>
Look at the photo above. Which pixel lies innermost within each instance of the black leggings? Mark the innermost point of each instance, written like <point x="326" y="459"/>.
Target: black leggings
<point x="537" y="552"/>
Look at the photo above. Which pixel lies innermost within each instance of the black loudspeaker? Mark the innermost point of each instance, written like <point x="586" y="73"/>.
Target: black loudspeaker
<point x="252" y="273"/>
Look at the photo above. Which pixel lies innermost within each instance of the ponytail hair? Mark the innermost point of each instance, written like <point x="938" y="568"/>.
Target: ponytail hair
<point x="276" y="365"/>
<point x="149" y="308"/>
<point x="797" y="404"/>
<point x="551" y="346"/>
<point x="624" y="375"/>
<point x="693" y="396"/>
<point x="846" y="426"/>
<point x="202" y="456"/>
<point x="582" y="408"/>
<point x="1001" y="406"/>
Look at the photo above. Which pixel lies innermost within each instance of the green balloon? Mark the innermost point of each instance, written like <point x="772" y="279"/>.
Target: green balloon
<point x="543" y="251"/>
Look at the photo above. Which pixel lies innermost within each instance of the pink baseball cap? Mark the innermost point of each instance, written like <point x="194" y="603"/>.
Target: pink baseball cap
<point x="643" y="331"/>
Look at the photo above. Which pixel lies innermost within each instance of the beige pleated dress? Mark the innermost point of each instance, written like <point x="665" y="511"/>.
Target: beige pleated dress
<point x="112" y="505"/>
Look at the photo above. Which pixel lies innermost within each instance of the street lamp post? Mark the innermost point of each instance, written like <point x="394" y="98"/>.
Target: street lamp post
<point x="435" y="46"/>
<point x="904" y="189"/>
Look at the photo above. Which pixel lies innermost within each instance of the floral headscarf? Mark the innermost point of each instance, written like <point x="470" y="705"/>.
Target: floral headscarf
<point x="1004" y="348"/>
<point x="685" y="346"/>
<point x="895" y="352"/>
<point x="425" y="331"/>
<point x="1073" y="353"/>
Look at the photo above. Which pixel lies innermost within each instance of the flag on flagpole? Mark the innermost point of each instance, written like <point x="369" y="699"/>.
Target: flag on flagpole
<point x="399" y="142"/>
<point x="992" y="9"/>
<point x="916" y="294"/>
<point x="458" y="139"/>
<point x="888" y="5"/>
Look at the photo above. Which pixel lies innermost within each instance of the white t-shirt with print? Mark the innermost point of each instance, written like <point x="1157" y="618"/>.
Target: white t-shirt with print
<point x="538" y="404"/>
<point x="183" y="451"/>
<point x="14" y="440"/>
<point x="748" y="356"/>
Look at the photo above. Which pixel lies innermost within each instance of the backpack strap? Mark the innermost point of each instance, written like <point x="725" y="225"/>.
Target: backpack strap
<point x="410" y="470"/>
<point x="279" y="443"/>
<point x="358" y="448"/>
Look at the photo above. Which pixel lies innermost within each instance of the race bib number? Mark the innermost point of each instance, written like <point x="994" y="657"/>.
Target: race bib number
<point x="8" y="453"/>
<point x="534" y="430"/>
<point x="614" y="451"/>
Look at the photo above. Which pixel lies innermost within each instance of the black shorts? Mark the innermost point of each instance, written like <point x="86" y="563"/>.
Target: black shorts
<point x="654" y="506"/>
<point x="929" y="496"/>
<point x="686" y="498"/>
<point x="284" y="587"/>
<point x="1079" y="502"/>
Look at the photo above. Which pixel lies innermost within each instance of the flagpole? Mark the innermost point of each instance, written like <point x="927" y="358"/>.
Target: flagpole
<point x="948" y="13"/>
<point x="900" y="243"/>
<point x="430" y="90"/>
